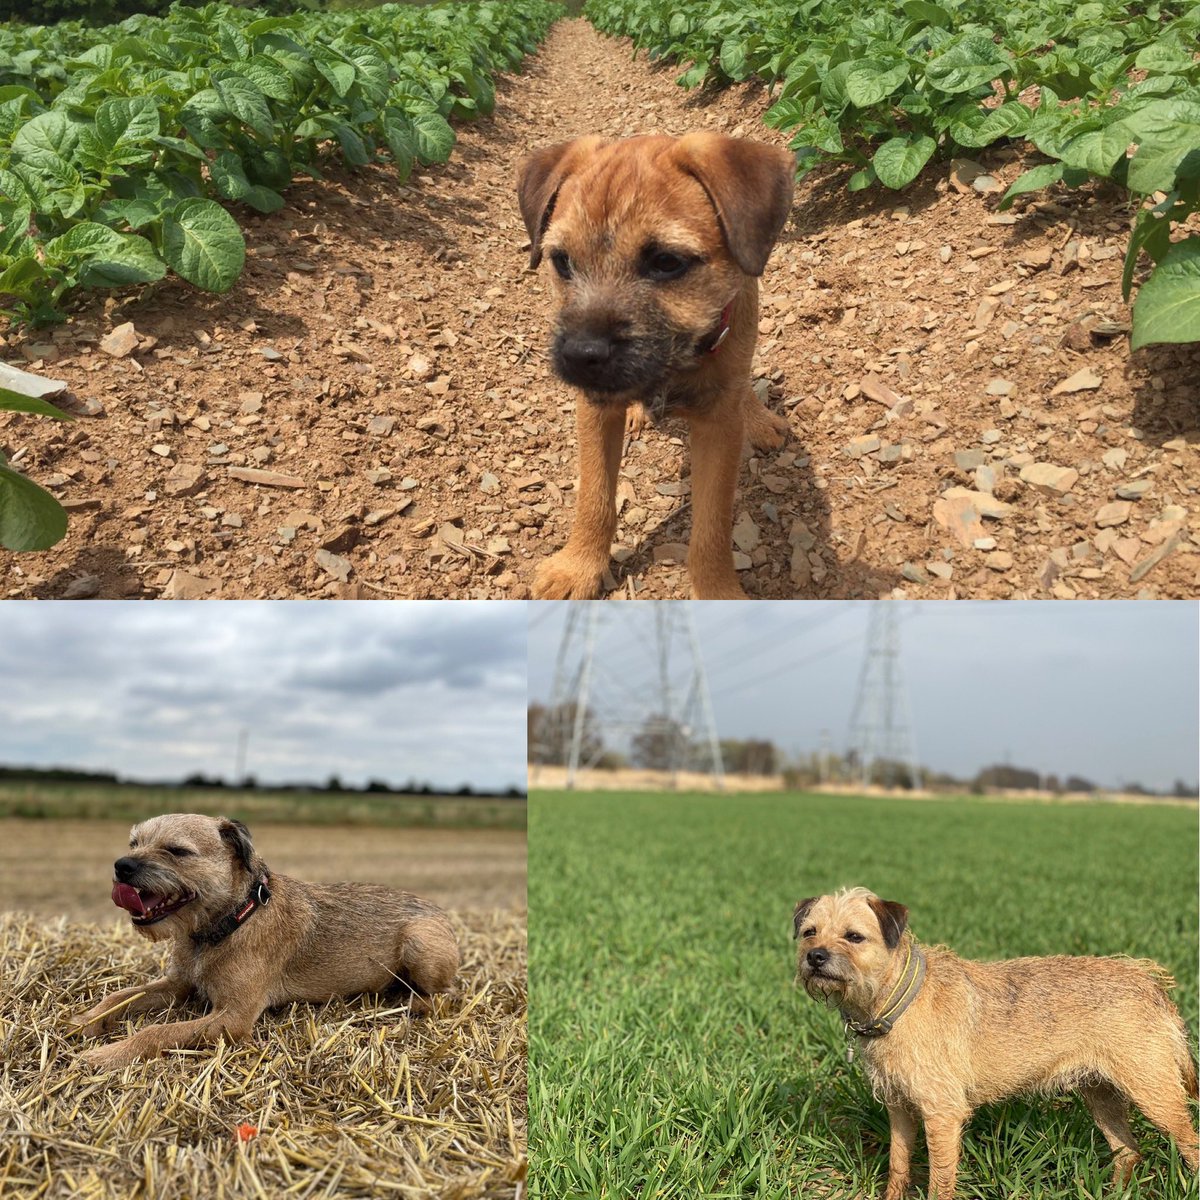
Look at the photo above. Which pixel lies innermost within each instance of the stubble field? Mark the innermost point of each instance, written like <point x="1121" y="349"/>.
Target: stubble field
<point x="350" y="1098"/>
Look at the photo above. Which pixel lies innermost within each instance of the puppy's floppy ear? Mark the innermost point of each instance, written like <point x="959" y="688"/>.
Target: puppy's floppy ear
<point x="893" y="919"/>
<point x="801" y="912"/>
<point x="750" y="185"/>
<point x="539" y="178"/>
<point x="238" y="837"/>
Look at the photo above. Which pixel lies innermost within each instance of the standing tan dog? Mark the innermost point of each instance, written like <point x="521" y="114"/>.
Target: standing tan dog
<point x="657" y="244"/>
<point x="942" y="1035"/>
<point x="245" y="939"/>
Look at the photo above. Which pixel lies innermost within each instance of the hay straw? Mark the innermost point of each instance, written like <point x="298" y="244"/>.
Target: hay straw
<point x="351" y="1098"/>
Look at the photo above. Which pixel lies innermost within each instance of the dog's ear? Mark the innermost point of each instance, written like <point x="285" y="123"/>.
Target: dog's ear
<point x="750" y="185"/>
<point x="238" y="837"/>
<point x="539" y="178"/>
<point x="893" y="919"/>
<point x="801" y="912"/>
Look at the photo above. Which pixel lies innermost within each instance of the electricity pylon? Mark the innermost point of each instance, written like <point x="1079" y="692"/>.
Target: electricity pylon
<point x="599" y="693"/>
<point x="881" y="728"/>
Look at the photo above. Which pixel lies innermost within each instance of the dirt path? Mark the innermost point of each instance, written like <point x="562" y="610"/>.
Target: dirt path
<point x="386" y="349"/>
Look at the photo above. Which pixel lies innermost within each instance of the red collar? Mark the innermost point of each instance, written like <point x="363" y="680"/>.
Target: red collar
<point x="259" y="895"/>
<point x="711" y="342"/>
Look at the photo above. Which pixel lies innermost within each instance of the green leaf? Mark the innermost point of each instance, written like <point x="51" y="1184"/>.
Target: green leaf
<point x="124" y="122"/>
<point x="1166" y="132"/>
<point x="870" y="81"/>
<point x="1031" y="181"/>
<point x="30" y="518"/>
<point x="929" y="14"/>
<point x="861" y="180"/>
<point x="900" y="159"/>
<point x="11" y="401"/>
<point x="203" y="244"/>
<point x="241" y="98"/>
<point x="48" y="143"/>
<point x="401" y="140"/>
<point x="1167" y="308"/>
<point x="733" y="59"/>
<point x="433" y="136"/>
<point x="968" y="64"/>
<point x="1099" y="149"/>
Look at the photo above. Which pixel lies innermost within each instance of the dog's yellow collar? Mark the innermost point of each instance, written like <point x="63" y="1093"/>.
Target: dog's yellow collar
<point x="898" y="999"/>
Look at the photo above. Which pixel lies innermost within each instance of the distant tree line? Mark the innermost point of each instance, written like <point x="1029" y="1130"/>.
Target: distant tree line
<point x="199" y="780"/>
<point x="661" y="744"/>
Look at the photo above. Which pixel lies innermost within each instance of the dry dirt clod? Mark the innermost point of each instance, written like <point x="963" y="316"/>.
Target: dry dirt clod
<point x="1083" y="380"/>
<point x="122" y="341"/>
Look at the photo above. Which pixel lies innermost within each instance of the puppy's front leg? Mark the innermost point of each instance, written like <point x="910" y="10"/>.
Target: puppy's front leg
<point x="574" y="573"/>
<point x="900" y="1148"/>
<point x="716" y="458"/>
<point x="231" y="1024"/>
<point x="150" y="997"/>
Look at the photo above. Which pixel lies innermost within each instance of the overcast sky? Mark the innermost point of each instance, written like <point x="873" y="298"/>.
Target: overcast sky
<point x="1107" y="690"/>
<point x="427" y="690"/>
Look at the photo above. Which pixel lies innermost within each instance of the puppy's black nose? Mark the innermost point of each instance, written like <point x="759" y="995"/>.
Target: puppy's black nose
<point x="585" y="352"/>
<point x="817" y="957"/>
<point x="125" y="868"/>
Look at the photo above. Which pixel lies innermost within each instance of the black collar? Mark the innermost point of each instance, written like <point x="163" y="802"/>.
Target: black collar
<point x="259" y="895"/>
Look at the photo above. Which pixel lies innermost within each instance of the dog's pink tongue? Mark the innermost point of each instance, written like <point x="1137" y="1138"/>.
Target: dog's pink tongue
<point x="127" y="897"/>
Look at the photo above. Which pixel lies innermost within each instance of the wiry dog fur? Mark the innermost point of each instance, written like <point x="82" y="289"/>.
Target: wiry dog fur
<point x="307" y="942"/>
<point x="980" y="1032"/>
<point x="652" y="239"/>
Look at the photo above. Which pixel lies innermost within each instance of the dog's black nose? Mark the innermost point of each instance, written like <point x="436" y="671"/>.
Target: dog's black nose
<point x="817" y="957"/>
<point x="125" y="868"/>
<point x="585" y="352"/>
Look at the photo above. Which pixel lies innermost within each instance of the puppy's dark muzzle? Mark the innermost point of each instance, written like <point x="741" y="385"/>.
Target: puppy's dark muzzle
<point x="595" y="362"/>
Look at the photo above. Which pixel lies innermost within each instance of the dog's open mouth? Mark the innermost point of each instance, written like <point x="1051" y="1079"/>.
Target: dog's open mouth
<point x="146" y="908"/>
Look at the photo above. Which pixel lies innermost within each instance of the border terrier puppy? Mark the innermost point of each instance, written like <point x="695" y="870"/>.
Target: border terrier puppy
<point x="245" y="939"/>
<point x="942" y="1035"/>
<point x="657" y="244"/>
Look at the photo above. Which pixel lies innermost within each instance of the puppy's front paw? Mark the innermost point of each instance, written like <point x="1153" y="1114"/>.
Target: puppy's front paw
<point x="765" y="430"/>
<point x="718" y="589"/>
<point x="108" y="1058"/>
<point x="563" y="576"/>
<point x="635" y="420"/>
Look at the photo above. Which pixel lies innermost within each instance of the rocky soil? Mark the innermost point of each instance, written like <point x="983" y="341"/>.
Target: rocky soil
<point x="370" y="412"/>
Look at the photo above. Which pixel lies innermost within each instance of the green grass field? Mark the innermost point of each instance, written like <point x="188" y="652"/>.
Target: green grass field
<point x="672" y="1056"/>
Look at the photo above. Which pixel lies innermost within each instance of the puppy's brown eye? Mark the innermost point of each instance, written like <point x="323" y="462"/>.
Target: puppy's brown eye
<point x="179" y="851"/>
<point x="851" y="936"/>
<point x="663" y="265"/>
<point x="562" y="263"/>
<point x="809" y="931"/>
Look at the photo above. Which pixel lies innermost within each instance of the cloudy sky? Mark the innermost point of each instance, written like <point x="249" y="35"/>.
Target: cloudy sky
<point x="1104" y="690"/>
<point x="426" y="690"/>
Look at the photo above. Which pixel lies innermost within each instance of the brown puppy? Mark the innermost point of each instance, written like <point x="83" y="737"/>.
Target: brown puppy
<point x="245" y="939"/>
<point x="657" y="244"/>
<point x="942" y="1035"/>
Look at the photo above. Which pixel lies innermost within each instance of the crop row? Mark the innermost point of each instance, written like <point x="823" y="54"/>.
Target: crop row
<point x="887" y="88"/>
<point x="118" y="144"/>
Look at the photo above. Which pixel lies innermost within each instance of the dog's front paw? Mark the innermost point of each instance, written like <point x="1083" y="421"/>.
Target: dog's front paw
<point x="563" y="576"/>
<point x="635" y="420"/>
<point x="725" y="588"/>
<point x="108" y="1058"/>
<point x="764" y="429"/>
<point x="92" y="1023"/>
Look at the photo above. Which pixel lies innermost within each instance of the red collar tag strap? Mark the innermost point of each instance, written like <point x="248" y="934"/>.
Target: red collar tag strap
<point x="259" y="895"/>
